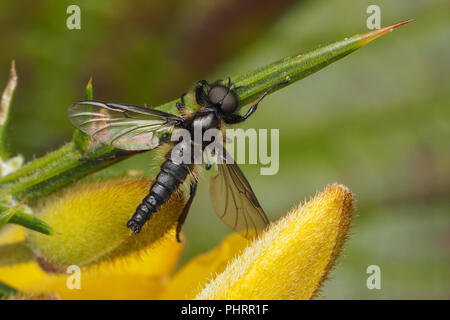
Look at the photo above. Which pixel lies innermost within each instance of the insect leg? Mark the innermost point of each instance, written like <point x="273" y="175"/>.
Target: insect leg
<point x="200" y="92"/>
<point x="186" y="208"/>
<point x="114" y="156"/>
<point x="181" y="105"/>
<point x="233" y="86"/>
<point x="237" y="118"/>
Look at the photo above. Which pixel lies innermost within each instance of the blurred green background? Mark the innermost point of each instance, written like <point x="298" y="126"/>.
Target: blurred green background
<point x="376" y="121"/>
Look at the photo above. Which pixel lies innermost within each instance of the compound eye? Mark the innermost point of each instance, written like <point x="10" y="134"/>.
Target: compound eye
<point x="229" y="104"/>
<point x="217" y="94"/>
<point x="223" y="97"/>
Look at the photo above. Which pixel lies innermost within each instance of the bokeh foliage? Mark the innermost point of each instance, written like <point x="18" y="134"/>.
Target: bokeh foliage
<point x="377" y="121"/>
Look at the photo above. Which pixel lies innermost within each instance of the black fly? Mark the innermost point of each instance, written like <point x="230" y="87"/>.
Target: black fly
<point x="138" y="129"/>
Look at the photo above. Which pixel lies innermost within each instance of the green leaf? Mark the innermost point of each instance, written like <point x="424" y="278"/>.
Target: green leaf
<point x="5" y="105"/>
<point x="6" y="290"/>
<point x="59" y="168"/>
<point x="80" y="138"/>
<point x="6" y="215"/>
<point x="28" y="221"/>
<point x="19" y="213"/>
<point x="88" y="92"/>
<point x="8" y="210"/>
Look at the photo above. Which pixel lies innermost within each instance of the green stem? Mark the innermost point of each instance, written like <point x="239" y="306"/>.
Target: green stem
<point x="51" y="172"/>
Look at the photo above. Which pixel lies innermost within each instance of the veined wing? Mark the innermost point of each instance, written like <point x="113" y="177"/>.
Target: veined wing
<point x="235" y="202"/>
<point x="125" y="127"/>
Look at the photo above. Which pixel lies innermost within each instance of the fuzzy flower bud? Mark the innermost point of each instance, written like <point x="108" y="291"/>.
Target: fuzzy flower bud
<point x="293" y="257"/>
<point x="90" y="220"/>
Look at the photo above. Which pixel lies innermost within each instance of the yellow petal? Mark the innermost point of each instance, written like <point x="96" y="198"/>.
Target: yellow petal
<point x="90" y="223"/>
<point x="139" y="276"/>
<point x="188" y="281"/>
<point x="104" y="286"/>
<point x="293" y="257"/>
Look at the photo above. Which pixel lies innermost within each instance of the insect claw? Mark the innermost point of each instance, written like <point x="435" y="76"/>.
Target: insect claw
<point x="180" y="104"/>
<point x="237" y="87"/>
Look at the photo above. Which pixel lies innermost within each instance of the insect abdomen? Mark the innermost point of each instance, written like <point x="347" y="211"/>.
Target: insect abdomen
<point x="167" y="181"/>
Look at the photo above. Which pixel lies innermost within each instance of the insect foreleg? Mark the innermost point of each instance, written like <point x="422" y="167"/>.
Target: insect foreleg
<point x="181" y="105"/>
<point x="200" y="95"/>
<point x="238" y="118"/>
<point x="186" y="208"/>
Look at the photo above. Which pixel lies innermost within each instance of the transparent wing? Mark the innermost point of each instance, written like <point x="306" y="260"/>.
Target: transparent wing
<point x="125" y="127"/>
<point x="235" y="202"/>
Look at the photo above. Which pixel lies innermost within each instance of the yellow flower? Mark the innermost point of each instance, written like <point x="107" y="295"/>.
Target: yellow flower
<point x="290" y="260"/>
<point x="293" y="257"/>
<point x="89" y="223"/>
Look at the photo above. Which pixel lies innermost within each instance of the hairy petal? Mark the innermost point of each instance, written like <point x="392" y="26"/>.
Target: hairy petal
<point x="90" y="219"/>
<point x="293" y="257"/>
<point x="138" y="276"/>
<point x="190" y="280"/>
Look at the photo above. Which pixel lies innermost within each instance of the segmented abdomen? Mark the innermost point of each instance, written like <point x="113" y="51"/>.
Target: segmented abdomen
<point x="167" y="181"/>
